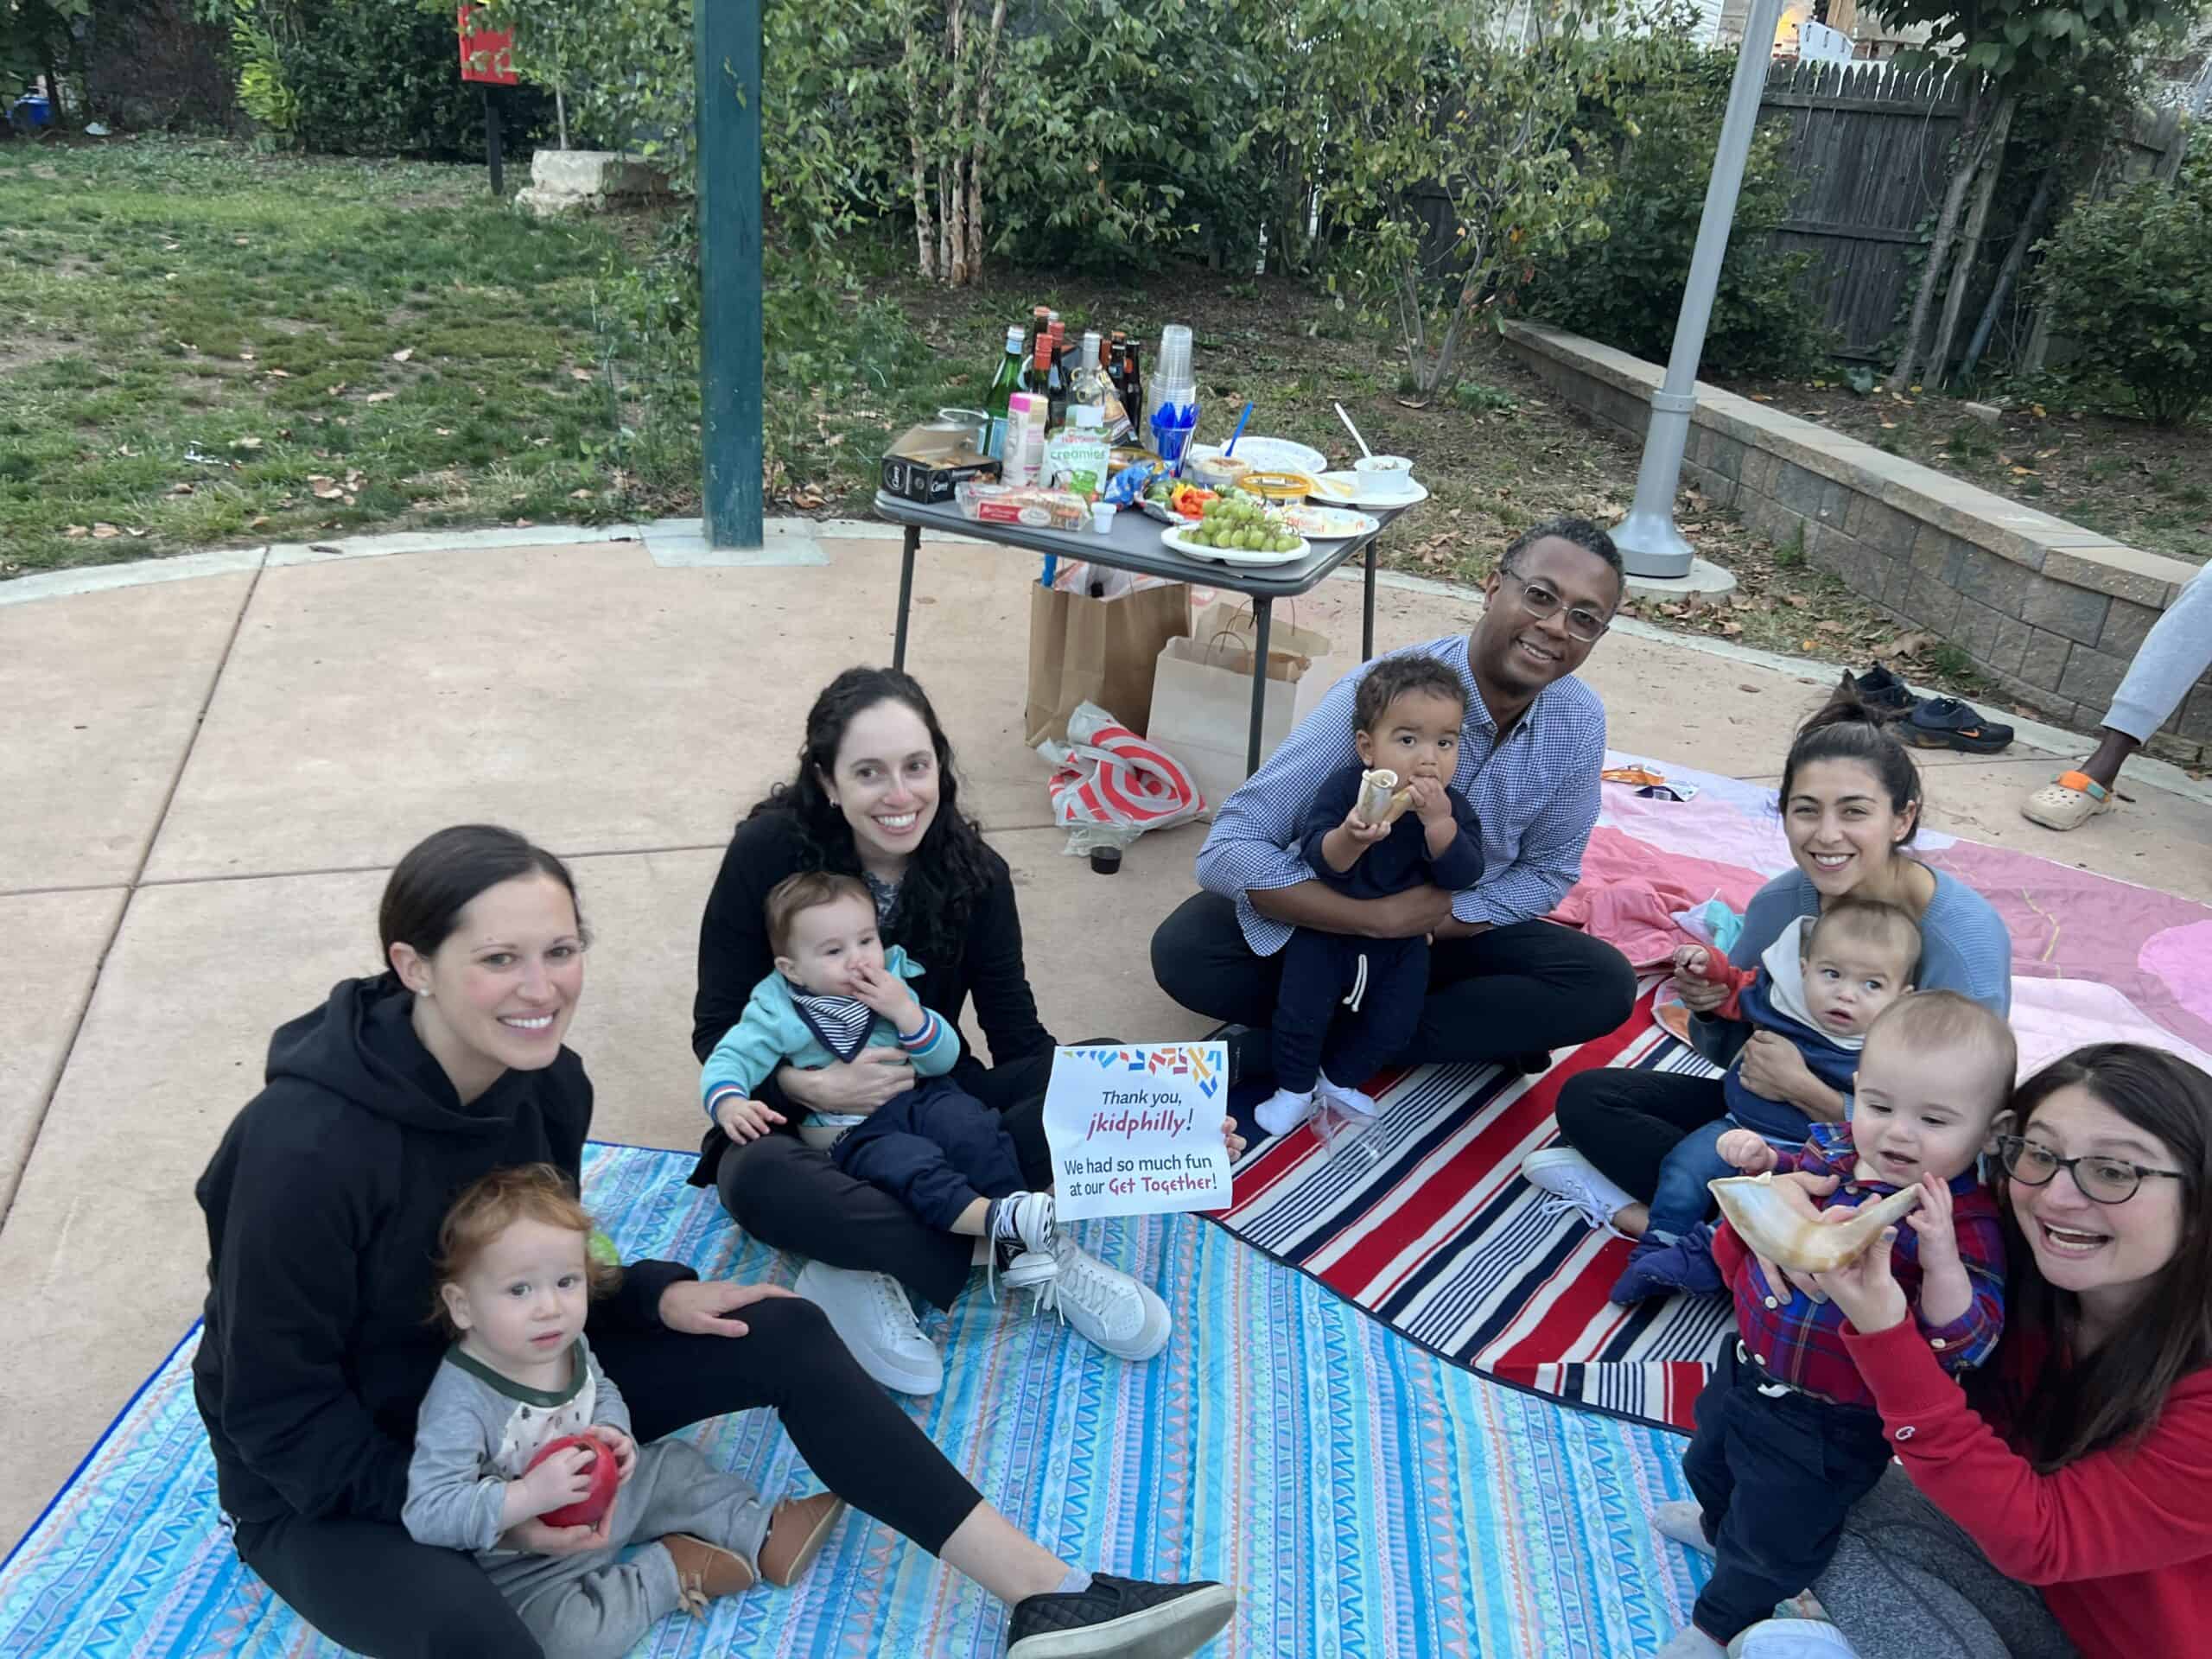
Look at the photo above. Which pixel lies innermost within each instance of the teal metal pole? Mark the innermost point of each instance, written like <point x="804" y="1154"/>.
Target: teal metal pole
<point x="727" y="55"/>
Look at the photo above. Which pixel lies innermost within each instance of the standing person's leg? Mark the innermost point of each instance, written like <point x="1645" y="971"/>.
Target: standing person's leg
<point x="1199" y="957"/>
<point x="2173" y="657"/>
<point x="1530" y="987"/>
<point x="871" y="1454"/>
<point x="1907" y="1583"/>
<point x="370" y="1587"/>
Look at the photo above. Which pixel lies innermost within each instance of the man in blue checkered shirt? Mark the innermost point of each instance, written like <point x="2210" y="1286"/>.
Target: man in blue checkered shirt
<point x="1502" y="984"/>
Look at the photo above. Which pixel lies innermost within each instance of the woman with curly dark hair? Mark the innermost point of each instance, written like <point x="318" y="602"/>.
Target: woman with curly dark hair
<point x="875" y="796"/>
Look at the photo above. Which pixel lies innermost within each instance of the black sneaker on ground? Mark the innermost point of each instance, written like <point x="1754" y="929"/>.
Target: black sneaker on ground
<point x="1879" y="689"/>
<point x="1947" y="724"/>
<point x="1127" y="1618"/>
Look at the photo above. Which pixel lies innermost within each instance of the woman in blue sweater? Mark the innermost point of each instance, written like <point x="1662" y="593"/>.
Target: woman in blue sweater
<point x="1851" y="803"/>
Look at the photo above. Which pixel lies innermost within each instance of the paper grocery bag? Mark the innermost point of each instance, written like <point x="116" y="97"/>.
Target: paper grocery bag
<point x="1230" y="635"/>
<point x="1202" y="706"/>
<point x="1098" y="651"/>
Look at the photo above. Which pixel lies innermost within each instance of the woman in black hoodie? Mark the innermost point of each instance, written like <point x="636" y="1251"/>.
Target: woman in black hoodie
<point x="323" y="1203"/>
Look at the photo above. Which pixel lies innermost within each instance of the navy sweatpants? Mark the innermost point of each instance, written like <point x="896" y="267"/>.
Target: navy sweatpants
<point x="1312" y="1030"/>
<point x="1775" y="1475"/>
<point x="936" y="1148"/>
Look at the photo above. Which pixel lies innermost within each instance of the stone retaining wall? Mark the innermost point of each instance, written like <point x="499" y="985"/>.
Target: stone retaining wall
<point x="2050" y="612"/>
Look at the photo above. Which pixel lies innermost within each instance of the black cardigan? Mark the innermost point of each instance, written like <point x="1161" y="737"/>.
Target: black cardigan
<point x="734" y="957"/>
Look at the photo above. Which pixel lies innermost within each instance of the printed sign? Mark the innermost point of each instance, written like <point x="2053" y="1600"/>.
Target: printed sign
<point x="1135" y="1130"/>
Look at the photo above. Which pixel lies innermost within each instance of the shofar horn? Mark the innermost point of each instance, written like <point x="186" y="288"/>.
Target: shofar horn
<point x="1775" y="1230"/>
<point x="1381" y="800"/>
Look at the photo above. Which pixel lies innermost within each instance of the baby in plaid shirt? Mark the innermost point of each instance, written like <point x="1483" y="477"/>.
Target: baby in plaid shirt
<point x="1787" y="1439"/>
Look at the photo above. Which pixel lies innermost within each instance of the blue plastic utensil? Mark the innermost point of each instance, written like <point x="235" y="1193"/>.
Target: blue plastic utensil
<point x="1231" y="448"/>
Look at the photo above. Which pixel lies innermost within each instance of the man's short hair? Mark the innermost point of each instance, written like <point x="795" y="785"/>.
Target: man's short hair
<point x="1590" y="537"/>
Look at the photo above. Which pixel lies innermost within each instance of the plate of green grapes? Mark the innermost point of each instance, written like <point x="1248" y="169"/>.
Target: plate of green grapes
<point x="1239" y="529"/>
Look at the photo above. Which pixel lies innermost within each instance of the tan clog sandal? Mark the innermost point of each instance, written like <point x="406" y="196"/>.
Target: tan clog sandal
<point x="2068" y="802"/>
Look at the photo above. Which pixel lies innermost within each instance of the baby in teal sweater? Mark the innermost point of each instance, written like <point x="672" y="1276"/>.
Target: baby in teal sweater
<point x="835" y="991"/>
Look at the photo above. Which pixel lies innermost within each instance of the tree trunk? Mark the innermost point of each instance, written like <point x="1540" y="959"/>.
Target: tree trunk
<point x="986" y="80"/>
<point x="924" y="232"/>
<point x="2009" y="272"/>
<point x="1939" y="247"/>
<point x="1939" y="358"/>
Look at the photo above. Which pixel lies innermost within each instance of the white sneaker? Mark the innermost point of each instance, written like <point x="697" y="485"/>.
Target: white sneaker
<point x="1283" y="1111"/>
<point x="870" y="1314"/>
<point x="1022" y="1255"/>
<point x="1682" y="1519"/>
<point x="1690" y="1642"/>
<point x="1574" y="1180"/>
<point x="1792" y="1638"/>
<point x="1106" y="1306"/>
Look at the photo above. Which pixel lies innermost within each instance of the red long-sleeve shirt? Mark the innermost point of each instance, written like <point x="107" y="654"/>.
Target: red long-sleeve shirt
<point x="2120" y="1542"/>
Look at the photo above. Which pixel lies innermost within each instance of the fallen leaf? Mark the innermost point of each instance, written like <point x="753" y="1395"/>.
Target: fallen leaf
<point x="579" y="374"/>
<point x="2024" y="472"/>
<point x="1732" y="627"/>
<point x="180" y="489"/>
<point x="442" y="431"/>
<point x="277" y="374"/>
<point x="256" y="521"/>
<point x="105" y="533"/>
<point x="1809" y="645"/>
<point x="2041" y="413"/>
<point x="1889" y="426"/>
<point x="403" y="354"/>
<point x="245" y="357"/>
<point x="325" y="489"/>
<point x="1829" y="627"/>
<point x="1761" y="398"/>
<point x="380" y="397"/>
<point x="580" y="495"/>
<point x="245" y="443"/>
<point x="1798" y="600"/>
<point x="134" y="531"/>
<point x="241" y="242"/>
<point x="1906" y="645"/>
<point x="74" y="532"/>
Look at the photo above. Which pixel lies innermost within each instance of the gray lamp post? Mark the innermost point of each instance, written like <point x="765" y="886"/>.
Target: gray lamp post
<point x="1649" y="543"/>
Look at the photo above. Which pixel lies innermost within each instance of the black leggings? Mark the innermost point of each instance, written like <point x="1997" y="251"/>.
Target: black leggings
<point x="1626" y="1122"/>
<point x="788" y="1194"/>
<point x="368" y="1586"/>
<point x="1505" y="992"/>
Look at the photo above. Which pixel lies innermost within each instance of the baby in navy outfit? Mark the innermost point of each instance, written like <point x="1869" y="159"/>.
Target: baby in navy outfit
<point x="1349" y="1004"/>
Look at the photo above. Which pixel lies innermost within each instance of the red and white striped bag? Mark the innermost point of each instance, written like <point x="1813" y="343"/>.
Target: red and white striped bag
<point x="1106" y="774"/>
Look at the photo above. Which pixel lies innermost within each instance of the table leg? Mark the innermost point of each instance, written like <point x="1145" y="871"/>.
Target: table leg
<point x="905" y="593"/>
<point x="1366" y="616"/>
<point x="1261" y="608"/>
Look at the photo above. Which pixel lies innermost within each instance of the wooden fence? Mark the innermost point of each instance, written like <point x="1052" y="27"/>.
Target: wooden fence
<point x="1872" y="150"/>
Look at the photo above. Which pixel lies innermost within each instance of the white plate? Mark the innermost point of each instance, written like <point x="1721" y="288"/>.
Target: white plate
<point x="1175" y="538"/>
<point x="1328" y="523"/>
<point x="1350" y="489"/>
<point x="1272" y="456"/>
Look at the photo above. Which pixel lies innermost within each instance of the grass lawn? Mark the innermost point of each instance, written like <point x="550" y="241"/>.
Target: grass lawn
<point x="199" y="344"/>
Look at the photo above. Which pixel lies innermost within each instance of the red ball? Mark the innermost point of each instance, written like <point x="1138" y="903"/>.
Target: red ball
<point x="605" y="1476"/>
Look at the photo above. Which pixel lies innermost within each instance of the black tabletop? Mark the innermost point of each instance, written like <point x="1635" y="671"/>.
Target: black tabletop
<point x="1135" y="546"/>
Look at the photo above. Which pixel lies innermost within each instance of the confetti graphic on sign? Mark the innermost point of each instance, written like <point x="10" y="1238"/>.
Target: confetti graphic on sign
<point x="1191" y="1061"/>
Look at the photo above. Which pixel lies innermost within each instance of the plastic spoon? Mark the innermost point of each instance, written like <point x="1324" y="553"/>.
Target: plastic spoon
<point x="1231" y="448"/>
<point x="1354" y="430"/>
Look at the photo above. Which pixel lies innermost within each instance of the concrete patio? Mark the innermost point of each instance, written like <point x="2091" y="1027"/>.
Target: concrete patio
<point x="205" y="779"/>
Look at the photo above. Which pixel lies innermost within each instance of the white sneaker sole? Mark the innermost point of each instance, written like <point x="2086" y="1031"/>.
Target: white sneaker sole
<point x="890" y="1370"/>
<point x="1173" y="1630"/>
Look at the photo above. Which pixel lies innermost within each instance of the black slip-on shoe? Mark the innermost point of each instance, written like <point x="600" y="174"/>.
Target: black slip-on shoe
<point x="1127" y="1618"/>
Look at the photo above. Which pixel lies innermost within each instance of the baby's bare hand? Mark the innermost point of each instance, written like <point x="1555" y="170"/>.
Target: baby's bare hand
<point x="745" y="1120"/>
<point x="1748" y="1151"/>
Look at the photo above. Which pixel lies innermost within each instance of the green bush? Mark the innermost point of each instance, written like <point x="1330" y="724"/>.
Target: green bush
<point x="1656" y="145"/>
<point x="367" y="78"/>
<point x="2130" y="281"/>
